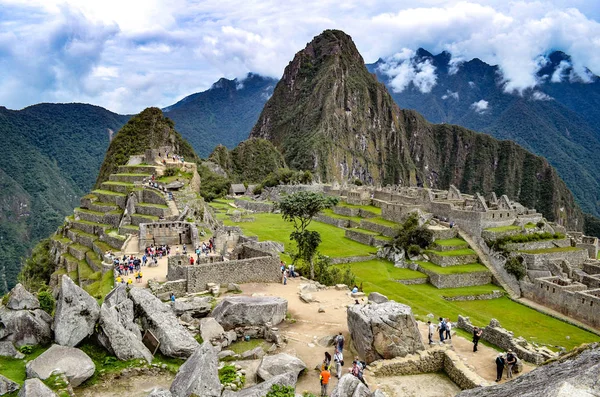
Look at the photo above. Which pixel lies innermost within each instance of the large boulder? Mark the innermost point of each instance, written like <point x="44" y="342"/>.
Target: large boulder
<point x="25" y="327"/>
<point x="278" y="364"/>
<point x="75" y="364"/>
<point x="125" y="344"/>
<point x="199" y="375"/>
<point x="7" y="386"/>
<point x="239" y="311"/>
<point x="376" y="297"/>
<point x="175" y="341"/>
<point x="261" y="389"/>
<point x="196" y="307"/>
<point x="384" y="330"/>
<point x="20" y="299"/>
<point x="158" y="392"/>
<point x="210" y="329"/>
<point x="35" y="388"/>
<point x="350" y="386"/>
<point x="7" y="349"/>
<point x="575" y="374"/>
<point x="76" y="314"/>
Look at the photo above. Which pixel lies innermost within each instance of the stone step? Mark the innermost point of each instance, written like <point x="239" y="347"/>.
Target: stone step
<point x="87" y="200"/>
<point x="78" y="251"/>
<point x="113" y="218"/>
<point x="89" y="227"/>
<point x="93" y="260"/>
<point x="81" y="237"/>
<point x="69" y="262"/>
<point x="115" y="240"/>
<point x="153" y="209"/>
<point x="117" y="187"/>
<point x="136" y="219"/>
<point x="452" y="258"/>
<point x="449" y="245"/>
<point x="366" y="237"/>
<point x="130" y="178"/>
<point x="90" y="216"/>
<point x="137" y="169"/>
<point x="129" y="229"/>
<point x="455" y="276"/>
<point x="101" y="248"/>
<point x="107" y="196"/>
<point x="100" y="206"/>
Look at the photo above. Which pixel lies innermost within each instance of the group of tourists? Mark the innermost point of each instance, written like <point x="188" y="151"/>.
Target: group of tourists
<point x="206" y="248"/>
<point x="156" y="252"/>
<point x="506" y="361"/>
<point x="444" y="330"/>
<point x="286" y="272"/>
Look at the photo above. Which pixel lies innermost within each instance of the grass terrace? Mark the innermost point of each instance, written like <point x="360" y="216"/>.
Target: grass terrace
<point x="383" y="222"/>
<point x="464" y="251"/>
<point x="153" y="205"/>
<point x="370" y="208"/>
<point x="116" y="183"/>
<point x="451" y="242"/>
<point x="460" y="269"/>
<point x="551" y="250"/>
<point x="331" y="214"/>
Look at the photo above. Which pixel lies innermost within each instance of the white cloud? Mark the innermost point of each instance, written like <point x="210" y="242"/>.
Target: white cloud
<point x="403" y="68"/>
<point x="560" y="71"/>
<point x="450" y="94"/>
<point x="481" y="106"/>
<point x="472" y="84"/>
<point x="540" y="96"/>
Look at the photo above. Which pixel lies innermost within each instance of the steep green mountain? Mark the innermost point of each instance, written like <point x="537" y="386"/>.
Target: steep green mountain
<point x="51" y="155"/>
<point x="559" y="119"/>
<point x="224" y="114"/>
<point x="148" y="130"/>
<point x="328" y="114"/>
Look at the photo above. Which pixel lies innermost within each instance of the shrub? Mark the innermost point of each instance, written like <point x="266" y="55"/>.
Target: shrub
<point x="516" y="267"/>
<point x="540" y="224"/>
<point x="46" y="301"/>
<point x="170" y="172"/>
<point x="228" y="374"/>
<point x="281" y="391"/>
<point x="413" y="250"/>
<point x="357" y="182"/>
<point x="327" y="274"/>
<point x="500" y="243"/>
<point x="26" y="349"/>
<point x="411" y="234"/>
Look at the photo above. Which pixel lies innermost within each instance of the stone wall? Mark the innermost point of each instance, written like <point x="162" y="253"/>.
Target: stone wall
<point x="163" y="290"/>
<point x="481" y="297"/>
<point x="171" y="233"/>
<point x="538" y="261"/>
<point x="537" y="245"/>
<point x="451" y="260"/>
<point x="359" y="237"/>
<point x="351" y="259"/>
<point x="256" y="206"/>
<point x="388" y="231"/>
<point x="341" y="223"/>
<point x="456" y="280"/>
<point x="345" y="211"/>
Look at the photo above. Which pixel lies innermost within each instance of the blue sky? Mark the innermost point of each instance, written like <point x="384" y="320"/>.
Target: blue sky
<point x="129" y="54"/>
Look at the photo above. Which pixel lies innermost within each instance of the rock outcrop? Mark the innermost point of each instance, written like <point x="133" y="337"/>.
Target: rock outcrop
<point x="75" y="364"/>
<point x="35" y="388"/>
<point x="125" y="344"/>
<point x="7" y="385"/>
<point x="240" y="311"/>
<point x="21" y="299"/>
<point x="196" y="307"/>
<point x="7" y="349"/>
<point x="199" y="375"/>
<point x="384" y="330"/>
<point x="76" y="314"/>
<point x="210" y="329"/>
<point x="350" y="386"/>
<point x="25" y="327"/>
<point x="279" y="364"/>
<point x="575" y="374"/>
<point x="376" y="297"/>
<point x="261" y="390"/>
<point x="175" y="341"/>
<point x="158" y="392"/>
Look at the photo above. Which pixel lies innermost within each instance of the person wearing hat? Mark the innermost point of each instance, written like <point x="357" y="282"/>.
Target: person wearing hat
<point x="499" y="367"/>
<point x="511" y="360"/>
<point x="477" y="332"/>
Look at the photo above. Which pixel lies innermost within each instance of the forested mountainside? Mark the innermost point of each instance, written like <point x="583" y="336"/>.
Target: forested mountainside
<point x="50" y="155"/>
<point x="328" y="114"/>
<point x="559" y="119"/>
<point x="223" y="115"/>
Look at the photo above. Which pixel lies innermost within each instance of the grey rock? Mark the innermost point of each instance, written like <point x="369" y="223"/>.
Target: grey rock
<point x="175" y="341"/>
<point x="7" y="386"/>
<point x="158" y="392"/>
<point x="116" y="296"/>
<point x="306" y="297"/>
<point x="124" y="343"/>
<point x="278" y="364"/>
<point x="575" y="374"/>
<point x="76" y="314"/>
<point x="378" y="393"/>
<point x="257" y="352"/>
<point x="225" y="353"/>
<point x="327" y="340"/>
<point x="350" y="386"/>
<point x="20" y="299"/>
<point x="25" y="327"/>
<point x="75" y="364"/>
<point x="376" y="297"/>
<point x="310" y="287"/>
<point x="197" y="307"/>
<point x="239" y="311"/>
<point x="7" y="349"/>
<point x="261" y="389"/>
<point x="198" y="375"/>
<point x="383" y="330"/>
<point x="233" y="287"/>
<point x="210" y="329"/>
<point x="35" y="388"/>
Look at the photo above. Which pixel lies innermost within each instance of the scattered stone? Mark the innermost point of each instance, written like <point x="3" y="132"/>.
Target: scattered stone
<point x="25" y="327"/>
<point x="225" y="353"/>
<point x="124" y="343"/>
<point x="75" y="364"/>
<point x="7" y="349"/>
<point x="327" y="340"/>
<point x="237" y="311"/>
<point x="567" y="337"/>
<point x="306" y="298"/>
<point x="159" y="392"/>
<point x="310" y="287"/>
<point x="196" y="308"/>
<point x="198" y="375"/>
<point x="321" y="309"/>
<point x="376" y="297"/>
<point x="311" y="345"/>
<point x="76" y="314"/>
<point x="175" y="341"/>
<point x="21" y="299"/>
<point x="210" y="329"/>
<point x="278" y="364"/>
<point x="341" y="287"/>
<point x="233" y="287"/>
<point x="350" y="386"/>
<point x="35" y="388"/>
<point x="255" y="353"/>
<point x="357" y="294"/>
<point x="7" y="386"/>
<point x="383" y="330"/>
<point x="430" y="315"/>
<point x="261" y="389"/>
<point x="272" y="348"/>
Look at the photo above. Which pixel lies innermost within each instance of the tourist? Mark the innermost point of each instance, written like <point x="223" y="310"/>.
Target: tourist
<point x="356" y="302"/>
<point x="339" y="342"/>
<point x="324" y="378"/>
<point x="191" y="261"/>
<point x="129" y="282"/>
<point x="442" y="329"/>
<point x="326" y="361"/>
<point x="138" y="277"/>
<point x="511" y="360"/>
<point x="354" y="289"/>
<point x="430" y="329"/>
<point x="282" y="266"/>
<point x="499" y="367"/>
<point x="198" y="253"/>
<point x="357" y="370"/>
<point x="172" y="297"/>
<point x="284" y="277"/>
<point x="338" y="358"/>
<point x="119" y="279"/>
<point x="477" y="332"/>
<point x="448" y="329"/>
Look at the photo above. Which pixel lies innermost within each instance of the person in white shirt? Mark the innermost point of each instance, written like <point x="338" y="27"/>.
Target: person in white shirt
<point x="431" y="330"/>
<point x="338" y="357"/>
<point x="448" y="329"/>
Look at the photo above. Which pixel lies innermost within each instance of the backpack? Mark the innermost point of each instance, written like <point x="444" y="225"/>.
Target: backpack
<point x="443" y="326"/>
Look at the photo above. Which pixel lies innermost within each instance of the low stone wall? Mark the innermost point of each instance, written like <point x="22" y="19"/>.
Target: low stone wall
<point x="351" y="259"/>
<point x="436" y="359"/>
<point x="591" y="268"/>
<point x="538" y="261"/>
<point x="166" y="232"/>
<point x="366" y="213"/>
<point x="341" y="223"/>
<point x="345" y="211"/>
<point x="451" y="260"/>
<point x="489" y="235"/>
<point x="151" y="210"/>
<point x="359" y="237"/>
<point x="537" y="245"/>
<point x="457" y="280"/>
<point x="413" y="281"/>
<point x="255" y="206"/>
<point x="442" y="234"/>
<point x="164" y="290"/>
<point x="375" y="227"/>
<point x="113" y="241"/>
<point x="152" y="196"/>
<point x="481" y="297"/>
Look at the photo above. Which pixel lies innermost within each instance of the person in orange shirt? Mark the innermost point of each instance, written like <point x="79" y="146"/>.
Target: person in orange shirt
<point x="325" y="375"/>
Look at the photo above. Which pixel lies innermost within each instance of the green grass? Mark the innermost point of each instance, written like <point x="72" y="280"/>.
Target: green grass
<point x="241" y="346"/>
<point x="551" y="250"/>
<point x="385" y="270"/>
<point x="84" y="270"/>
<point x="272" y="227"/>
<point x="84" y="234"/>
<point x="460" y="269"/>
<point x="61" y="239"/>
<point x="503" y="228"/>
<point x="79" y="247"/>
<point x="150" y="217"/>
<point x="14" y="369"/>
<point x="102" y="225"/>
<point x="103" y="246"/>
<point x="101" y="287"/>
<point x="132" y="174"/>
<point x="116" y="183"/>
<point x="530" y="225"/>
<point x="109" y="193"/>
<point x="465" y="251"/>
<point x="451" y="242"/>
<point x="153" y="205"/>
<point x="331" y="214"/>
<point x="84" y="211"/>
<point x="370" y="208"/>
<point x="380" y="221"/>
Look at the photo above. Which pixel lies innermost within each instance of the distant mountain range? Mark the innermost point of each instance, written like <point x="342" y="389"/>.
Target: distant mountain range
<point x="558" y="119"/>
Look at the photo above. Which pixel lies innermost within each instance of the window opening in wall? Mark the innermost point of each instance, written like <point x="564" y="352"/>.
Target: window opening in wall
<point x="541" y="285"/>
<point x="553" y="290"/>
<point x="547" y="288"/>
<point x="493" y="216"/>
<point x="591" y="303"/>
<point x="500" y="215"/>
<point x="583" y="301"/>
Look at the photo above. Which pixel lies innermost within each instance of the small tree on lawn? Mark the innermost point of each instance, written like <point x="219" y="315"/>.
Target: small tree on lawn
<point x="300" y="209"/>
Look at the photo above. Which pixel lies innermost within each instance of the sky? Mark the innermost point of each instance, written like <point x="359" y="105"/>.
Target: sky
<point x="130" y="54"/>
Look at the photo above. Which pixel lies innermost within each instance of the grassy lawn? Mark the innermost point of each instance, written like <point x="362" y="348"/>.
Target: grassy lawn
<point x="470" y="268"/>
<point x="551" y="250"/>
<point x="116" y="183"/>
<point x="271" y="227"/>
<point x="384" y="269"/>
<point x="101" y="287"/>
<point x="14" y="369"/>
<point x="465" y="251"/>
<point x="150" y="205"/>
<point x="451" y="242"/>
<point x="502" y="228"/>
<point x="382" y="222"/>
<point x="331" y="214"/>
<point x="370" y="208"/>
<point x="241" y="346"/>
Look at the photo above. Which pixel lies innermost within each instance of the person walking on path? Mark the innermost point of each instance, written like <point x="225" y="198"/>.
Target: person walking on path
<point x="477" y="332"/>
<point x="339" y="342"/>
<point x="442" y="329"/>
<point x="448" y="329"/>
<point x="338" y="358"/>
<point x="430" y="329"/>
<point x="499" y="367"/>
<point x="326" y="361"/>
<point x="325" y="375"/>
<point x="511" y="360"/>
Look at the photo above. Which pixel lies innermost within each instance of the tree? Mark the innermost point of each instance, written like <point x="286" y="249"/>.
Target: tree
<point x="300" y="209"/>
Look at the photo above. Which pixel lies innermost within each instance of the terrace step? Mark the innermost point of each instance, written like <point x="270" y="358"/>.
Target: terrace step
<point x="130" y="178"/>
<point x="129" y="229"/>
<point x="69" y="262"/>
<point x="93" y="260"/>
<point x="100" y="206"/>
<point x="152" y="209"/>
<point x="452" y="258"/>
<point x="455" y="276"/>
<point x="107" y="196"/>
<point x="81" y="237"/>
<point x="117" y="187"/>
<point x="366" y="237"/>
<point x="78" y="251"/>
<point x="449" y="245"/>
<point x="137" y="169"/>
<point x="90" y="216"/>
<point x="136" y="219"/>
<point x="89" y="227"/>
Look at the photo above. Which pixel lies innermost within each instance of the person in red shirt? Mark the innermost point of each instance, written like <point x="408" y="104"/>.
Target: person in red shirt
<point x="325" y="375"/>
<point x="191" y="260"/>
